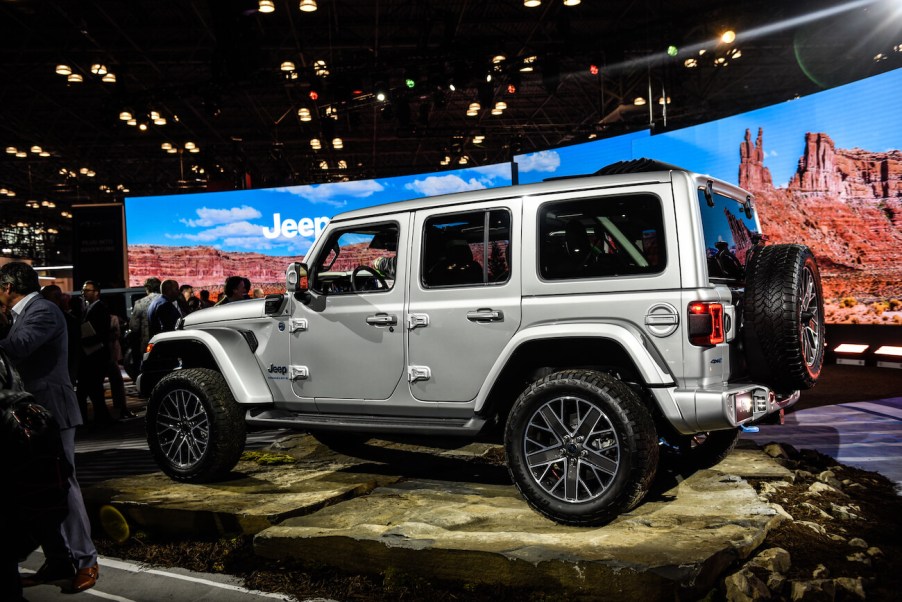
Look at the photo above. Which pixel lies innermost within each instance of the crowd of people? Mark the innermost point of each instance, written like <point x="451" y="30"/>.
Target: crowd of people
<point x="56" y="352"/>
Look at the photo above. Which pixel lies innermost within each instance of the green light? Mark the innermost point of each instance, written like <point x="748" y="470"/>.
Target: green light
<point x="672" y="50"/>
<point x="410" y="83"/>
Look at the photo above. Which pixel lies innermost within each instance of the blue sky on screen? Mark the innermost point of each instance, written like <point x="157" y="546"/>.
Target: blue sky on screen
<point x="284" y="221"/>
<point x="863" y="114"/>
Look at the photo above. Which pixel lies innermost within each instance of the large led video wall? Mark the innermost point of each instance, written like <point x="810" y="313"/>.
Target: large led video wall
<point x="826" y="171"/>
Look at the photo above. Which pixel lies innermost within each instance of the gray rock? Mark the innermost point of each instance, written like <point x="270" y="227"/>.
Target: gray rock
<point x="875" y="552"/>
<point x="744" y="586"/>
<point x="820" y="572"/>
<point x="817" y="528"/>
<point x="829" y="477"/>
<point x="772" y="560"/>
<point x="816" y="590"/>
<point x="845" y="512"/>
<point x="851" y="588"/>
<point x="815" y="510"/>
<point x="857" y="542"/>
<point x="819" y="487"/>
<point x="859" y="557"/>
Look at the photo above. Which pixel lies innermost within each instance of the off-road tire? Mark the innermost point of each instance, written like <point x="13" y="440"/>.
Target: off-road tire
<point x="625" y="447"/>
<point x="784" y="318"/>
<point x="195" y="429"/>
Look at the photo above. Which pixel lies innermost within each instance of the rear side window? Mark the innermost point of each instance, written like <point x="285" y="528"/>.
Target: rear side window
<point x="729" y="235"/>
<point x="599" y="237"/>
<point x="467" y="249"/>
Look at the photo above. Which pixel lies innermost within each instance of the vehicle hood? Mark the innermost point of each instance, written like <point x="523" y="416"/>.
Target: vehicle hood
<point x="236" y="310"/>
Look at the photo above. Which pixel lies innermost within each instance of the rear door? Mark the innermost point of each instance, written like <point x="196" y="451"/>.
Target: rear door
<point x="464" y="297"/>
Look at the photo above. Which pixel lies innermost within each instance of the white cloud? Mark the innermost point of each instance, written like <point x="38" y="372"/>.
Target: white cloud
<point x="211" y="217"/>
<point x="771" y="153"/>
<point x="250" y="243"/>
<point x="495" y="171"/>
<point x="327" y="193"/>
<point x="435" y="185"/>
<point x="545" y="161"/>
<point x="235" y="229"/>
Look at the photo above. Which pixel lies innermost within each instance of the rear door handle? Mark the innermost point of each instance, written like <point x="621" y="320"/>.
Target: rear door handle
<point x="486" y="315"/>
<point x="382" y="320"/>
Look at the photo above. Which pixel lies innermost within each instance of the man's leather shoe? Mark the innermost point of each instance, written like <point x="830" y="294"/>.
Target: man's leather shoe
<point x="85" y="578"/>
<point x="49" y="573"/>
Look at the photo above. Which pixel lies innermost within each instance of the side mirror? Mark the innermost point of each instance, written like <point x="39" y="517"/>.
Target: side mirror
<point x="296" y="278"/>
<point x="296" y="281"/>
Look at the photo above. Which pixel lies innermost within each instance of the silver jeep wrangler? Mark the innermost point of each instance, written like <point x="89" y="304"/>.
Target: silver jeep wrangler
<point x="587" y="322"/>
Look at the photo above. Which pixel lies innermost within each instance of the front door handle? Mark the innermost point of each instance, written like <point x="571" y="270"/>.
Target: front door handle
<point x="382" y="320"/>
<point x="486" y="315"/>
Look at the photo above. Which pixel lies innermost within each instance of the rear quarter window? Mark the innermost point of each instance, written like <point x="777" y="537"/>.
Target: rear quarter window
<point x="729" y="235"/>
<point x="601" y="237"/>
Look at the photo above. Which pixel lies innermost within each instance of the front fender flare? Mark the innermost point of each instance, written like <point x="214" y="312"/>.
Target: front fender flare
<point x="233" y="357"/>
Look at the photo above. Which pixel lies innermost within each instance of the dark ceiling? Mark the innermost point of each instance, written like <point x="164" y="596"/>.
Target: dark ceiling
<point x="211" y="68"/>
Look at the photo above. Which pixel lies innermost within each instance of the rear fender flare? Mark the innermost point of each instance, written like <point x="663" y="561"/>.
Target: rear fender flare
<point x="649" y="368"/>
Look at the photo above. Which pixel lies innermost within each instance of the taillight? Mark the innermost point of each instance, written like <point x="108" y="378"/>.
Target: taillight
<point x="705" y="323"/>
<point x="149" y="348"/>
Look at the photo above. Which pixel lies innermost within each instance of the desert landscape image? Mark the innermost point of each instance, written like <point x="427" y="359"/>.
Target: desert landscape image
<point x="846" y="205"/>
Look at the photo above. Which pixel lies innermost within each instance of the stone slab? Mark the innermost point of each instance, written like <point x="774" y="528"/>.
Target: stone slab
<point x="676" y="543"/>
<point x="254" y="498"/>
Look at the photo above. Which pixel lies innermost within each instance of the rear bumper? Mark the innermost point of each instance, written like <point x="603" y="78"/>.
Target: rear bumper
<point x="729" y="406"/>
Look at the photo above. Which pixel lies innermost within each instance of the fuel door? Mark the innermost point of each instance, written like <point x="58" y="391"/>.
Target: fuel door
<point x="662" y="320"/>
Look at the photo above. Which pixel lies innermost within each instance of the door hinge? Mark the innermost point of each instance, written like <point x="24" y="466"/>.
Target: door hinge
<point x="297" y="324"/>
<point x="417" y="321"/>
<point x="415" y="373"/>
<point x="298" y="372"/>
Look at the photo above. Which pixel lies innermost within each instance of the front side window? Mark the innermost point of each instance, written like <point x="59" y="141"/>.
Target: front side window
<point x="357" y="259"/>
<point x="599" y="237"/>
<point x="467" y="249"/>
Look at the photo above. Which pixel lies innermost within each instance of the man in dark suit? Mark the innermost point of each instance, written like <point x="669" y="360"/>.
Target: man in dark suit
<point x="95" y="354"/>
<point x="37" y="344"/>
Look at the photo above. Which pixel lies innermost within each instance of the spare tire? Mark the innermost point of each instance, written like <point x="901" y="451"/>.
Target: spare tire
<point x="784" y="318"/>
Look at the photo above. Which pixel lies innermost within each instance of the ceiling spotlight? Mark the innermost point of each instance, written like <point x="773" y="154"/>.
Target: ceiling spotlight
<point x="690" y="63"/>
<point x="728" y="37"/>
<point x="21" y="154"/>
<point x="43" y="154"/>
<point x="735" y="53"/>
<point x="307" y="6"/>
<point x="75" y="78"/>
<point x="287" y="66"/>
<point x="380" y="96"/>
<point x="166" y="146"/>
<point x="98" y="69"/>
<point x="320" y="69"/>
<point x="337" y="143"/>
<point x="532" y="3"/>
<point x="304" y="114"/>
<point x="109" y="78"/>
<point x="332" y="112"/>
<point x="36" y="149"/>
<point x="662" y="100"/>
<point x="266" y="6"/>
<point x="132" y="122"/>
<point x="315" y="144"/>
<point x="190" y="145"/>
<point x="498" y="58"/>
<point x="11" y="150"/>
<point x="142" y="126"/>
<point x="528" y="63"/>
<point x="125" y="115"/>
<point x="501" y="105"/>
<point x="571" y="2"/>
<point x="64" y="69"/>
<point x="639" y="101"/>
<point x="159" y="121"/>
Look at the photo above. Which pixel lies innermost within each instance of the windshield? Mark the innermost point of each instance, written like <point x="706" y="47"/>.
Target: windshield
<point x="729" y="235"/>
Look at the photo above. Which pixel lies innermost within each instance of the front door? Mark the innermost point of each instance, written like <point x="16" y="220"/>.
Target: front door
<point x="464" y="297"/>
<point x="347" y="342"/>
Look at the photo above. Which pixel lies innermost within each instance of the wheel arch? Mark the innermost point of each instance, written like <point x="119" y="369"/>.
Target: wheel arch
<point x="225" y="350"/>
<point x="542" y="350"/>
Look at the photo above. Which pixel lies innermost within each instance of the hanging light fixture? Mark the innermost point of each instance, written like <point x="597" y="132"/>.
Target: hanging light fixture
<point x="75" y="78"/>
<point x="98" y="69"/>
<point x="64" y="69"/>
<point x="307" y="6"/>
<point x="571" y="2"/>
<point x="287" y="66"/>
<point x="166" y="146"/>
<point x="639" y="101"/>
<point x="528" y="63"/>
<point x="315" y="144"/>
<point x="532" y="3"/>
<point x="320" y="69"/>
<point x="109" y="78"/>
<point x="337" y="143"/>
<point x="125" y="115"/>
<point x="266" y="6"/>
<point x="304" y="114"/>
<point x="36" y="149"/>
